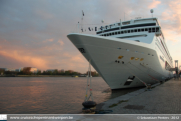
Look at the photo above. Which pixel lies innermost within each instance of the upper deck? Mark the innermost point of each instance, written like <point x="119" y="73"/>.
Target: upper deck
<point x="132" y="26"/>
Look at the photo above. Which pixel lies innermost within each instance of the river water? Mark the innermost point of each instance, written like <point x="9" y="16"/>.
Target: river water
<point x="50" y="95"/>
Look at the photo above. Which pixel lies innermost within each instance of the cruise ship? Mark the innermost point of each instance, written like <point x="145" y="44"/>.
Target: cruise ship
<point x="127" y="53"/>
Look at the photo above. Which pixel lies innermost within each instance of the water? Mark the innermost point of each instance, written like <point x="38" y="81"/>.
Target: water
<point x="50" y="95"/>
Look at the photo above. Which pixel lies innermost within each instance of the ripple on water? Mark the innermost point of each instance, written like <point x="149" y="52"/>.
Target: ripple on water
<point x="55" y="95"/>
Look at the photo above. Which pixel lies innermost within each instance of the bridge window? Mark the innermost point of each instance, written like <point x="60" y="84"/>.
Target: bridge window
<point x="121" y="32"/>
<point x="138" y="30"/>
<point x="128" y="31"/>
<point x="153" y="29"/>
<point x="125" y="23"/>
<point x="135" y="30"/>
<point x="131" y="31"/>
<point x="146" y="29"/>
<point x="149" y="29"/>
<point x="115" y="33"/>
<point x="142" y="30"/>
<point x="118" y="32"/>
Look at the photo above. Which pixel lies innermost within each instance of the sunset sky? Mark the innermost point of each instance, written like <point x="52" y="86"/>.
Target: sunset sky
<point x="34" y="32"/>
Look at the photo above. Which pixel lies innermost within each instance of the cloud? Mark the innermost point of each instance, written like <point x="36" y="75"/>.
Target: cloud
<point x="25" y="59"/>
<point x="50" y="40"/>
<point x="171" y="20"/>
<point x="170" y="35"/>
<point x="154" y="4"/>
<point x="60" y="42"/>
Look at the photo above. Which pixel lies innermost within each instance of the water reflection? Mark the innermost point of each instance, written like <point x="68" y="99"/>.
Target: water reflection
<point x="54" y="95"/>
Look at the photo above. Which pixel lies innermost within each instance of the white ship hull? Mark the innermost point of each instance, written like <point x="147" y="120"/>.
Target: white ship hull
<point x="104" y="51"/>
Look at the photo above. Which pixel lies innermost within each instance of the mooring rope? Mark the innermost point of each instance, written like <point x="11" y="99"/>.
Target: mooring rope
<point x="89" y="84"/>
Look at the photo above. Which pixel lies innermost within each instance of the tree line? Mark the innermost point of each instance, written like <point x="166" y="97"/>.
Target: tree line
<point x="27" y="71"/>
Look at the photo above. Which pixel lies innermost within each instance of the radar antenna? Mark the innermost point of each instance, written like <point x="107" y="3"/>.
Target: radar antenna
<point x="102" y="21"/>
<point x="151" y="11"/>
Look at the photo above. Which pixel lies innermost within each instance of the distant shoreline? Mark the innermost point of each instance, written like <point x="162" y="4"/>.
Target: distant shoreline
<point x="38" y="76"/>
<point x="34" y="76"/>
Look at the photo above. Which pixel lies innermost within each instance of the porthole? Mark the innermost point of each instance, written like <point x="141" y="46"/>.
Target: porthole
<point x="81" y="50"/>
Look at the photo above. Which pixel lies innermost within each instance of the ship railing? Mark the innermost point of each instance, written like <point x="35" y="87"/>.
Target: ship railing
<point x="87" y="28"/>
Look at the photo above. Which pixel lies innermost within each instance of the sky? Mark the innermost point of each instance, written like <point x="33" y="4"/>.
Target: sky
<point x="33" y="33"/>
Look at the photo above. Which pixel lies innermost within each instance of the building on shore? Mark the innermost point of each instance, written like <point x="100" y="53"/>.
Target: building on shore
<point x="17" y="70"/>
<point x="61" y="71"/>
<point x="2" y="69"/>
<point x="93" y="73"/>
<point x="29" y="70"/>
<point x="70" y="71"/>
<point x="10" y="69"/>
<point x="33" y="70"/>
<point x="51" y="70"/>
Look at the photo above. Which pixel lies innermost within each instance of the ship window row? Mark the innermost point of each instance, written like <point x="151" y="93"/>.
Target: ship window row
<point x="132" y="31"/>
<point x="109" y="28"/>
<point x="164" y="49"/>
